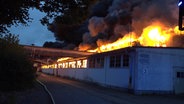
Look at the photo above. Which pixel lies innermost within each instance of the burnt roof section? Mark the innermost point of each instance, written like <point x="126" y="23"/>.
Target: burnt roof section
<point x="53" y="52"/>
<point x="58" y="53"/>
<point x="130" y="49"/>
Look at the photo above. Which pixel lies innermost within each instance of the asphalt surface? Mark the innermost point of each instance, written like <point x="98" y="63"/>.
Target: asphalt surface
<point x="35" y="95"/>
<point x="66" y="91"/>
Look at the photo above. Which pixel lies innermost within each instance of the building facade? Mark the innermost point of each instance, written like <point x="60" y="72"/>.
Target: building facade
<point x="142" y="70"/>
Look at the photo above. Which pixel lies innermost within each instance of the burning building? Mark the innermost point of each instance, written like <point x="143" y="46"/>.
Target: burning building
<point x="136" y="45"/>
<point x="139" y="69"/>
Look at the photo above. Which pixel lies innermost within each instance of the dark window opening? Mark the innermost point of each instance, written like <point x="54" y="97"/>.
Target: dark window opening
<point x="180" y="74"/>
<point x="91" y="63"/>
<point x="126" y="60"/>
<point x="96" y="62"/>
<point x="115" y="61"/>
<point x="112" y="61"/>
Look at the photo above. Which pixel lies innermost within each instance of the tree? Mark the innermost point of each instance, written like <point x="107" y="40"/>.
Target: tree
<point x="14" y="12"/>
<point x="16" y="71"/>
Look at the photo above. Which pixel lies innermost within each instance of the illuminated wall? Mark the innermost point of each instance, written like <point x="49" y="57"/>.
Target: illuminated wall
<point x="82" y="63"/>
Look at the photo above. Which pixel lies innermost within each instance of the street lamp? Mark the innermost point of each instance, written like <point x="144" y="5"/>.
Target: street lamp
<point x="181" y="14"/>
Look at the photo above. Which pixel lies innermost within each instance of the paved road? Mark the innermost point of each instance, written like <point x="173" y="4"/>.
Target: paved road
<point x="67" y="91"/>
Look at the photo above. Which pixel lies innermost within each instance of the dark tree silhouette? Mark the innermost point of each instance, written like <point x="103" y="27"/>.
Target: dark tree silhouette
<point x="13" y="12"/>
<point x="17" y="72"/>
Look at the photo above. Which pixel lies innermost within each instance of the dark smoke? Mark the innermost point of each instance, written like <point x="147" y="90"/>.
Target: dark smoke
<point x="112" y="19"/>
<point x="70" y="35"/>
<point x="178" y="41"/>
<point x="126" y="16"/>
<point x="100" y="9"/>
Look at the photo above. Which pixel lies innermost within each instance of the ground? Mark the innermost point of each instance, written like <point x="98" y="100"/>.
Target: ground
<point x="67" y="91"/>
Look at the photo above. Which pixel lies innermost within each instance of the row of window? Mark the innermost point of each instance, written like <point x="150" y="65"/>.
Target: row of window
<point x="73" y="64"/>
<point x="96" y="62"/>
<point x="116" y="61"/>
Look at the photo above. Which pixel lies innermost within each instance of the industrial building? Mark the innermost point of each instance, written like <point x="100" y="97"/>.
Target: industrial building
<point x="142" y="70"/>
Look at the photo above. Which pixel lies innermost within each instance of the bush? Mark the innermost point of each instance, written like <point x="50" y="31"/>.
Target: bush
<point x="16" y="71"/>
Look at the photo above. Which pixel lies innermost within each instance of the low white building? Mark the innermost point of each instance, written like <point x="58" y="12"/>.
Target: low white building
<point x="141" y="70"/>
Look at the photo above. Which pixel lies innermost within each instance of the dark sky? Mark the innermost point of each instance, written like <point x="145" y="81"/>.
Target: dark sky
<point x="35" y="33"/>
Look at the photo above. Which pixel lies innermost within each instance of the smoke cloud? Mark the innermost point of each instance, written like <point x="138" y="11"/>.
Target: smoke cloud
<point x="96" y="25"/>
<point x="126" y="16"/>
<point x="112" y="19"/>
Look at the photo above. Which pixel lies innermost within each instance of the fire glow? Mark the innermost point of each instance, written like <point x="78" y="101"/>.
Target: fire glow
<point x="154" y="35"/>
<point x="66" y="63"/>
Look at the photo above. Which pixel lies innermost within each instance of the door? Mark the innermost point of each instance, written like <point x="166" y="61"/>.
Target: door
<point x="179" y="81"/>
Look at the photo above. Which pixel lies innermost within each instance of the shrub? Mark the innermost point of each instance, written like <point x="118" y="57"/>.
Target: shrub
<point x="16" y="71"/>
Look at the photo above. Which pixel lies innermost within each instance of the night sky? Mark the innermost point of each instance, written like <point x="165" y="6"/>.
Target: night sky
<point x="35" y="33"/>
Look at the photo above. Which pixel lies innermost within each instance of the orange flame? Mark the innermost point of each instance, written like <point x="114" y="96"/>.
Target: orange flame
<point x="126" y="41"/>
<point x="155" y="35"/>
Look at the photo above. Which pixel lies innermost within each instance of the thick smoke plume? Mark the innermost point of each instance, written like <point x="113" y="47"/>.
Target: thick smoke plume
<point x="112" y="19"/>
<point x="125" y="16"/>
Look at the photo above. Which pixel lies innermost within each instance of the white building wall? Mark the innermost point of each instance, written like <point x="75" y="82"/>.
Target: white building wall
<point x="95" y="75"/>
<point x="92" y="75"/>
<point x="48" y="71"/>
<point x="133" y="70"/>
<point x="155" y="69"/>
<point x="80" y="74"/>
<point x="110" y="77"/>
<point x="152" y="70"/>
<point x="116" y="77"/>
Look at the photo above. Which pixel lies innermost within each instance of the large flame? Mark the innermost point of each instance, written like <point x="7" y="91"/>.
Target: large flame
<point x="126" y="41"/>
<point x="154" y="35"/>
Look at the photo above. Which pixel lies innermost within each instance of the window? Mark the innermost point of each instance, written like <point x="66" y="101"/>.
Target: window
<point x="65" y="65"/>
<point x="72" y="64"/>
<point x="115" y="61"/>
<point x="99" y="62"/>
<point x="60" y="65"/>
<point x="84" y="64"/>
<point x="79" y="64"/>
<point x="180" y="74"/>
<point x="112" y="61"/>
<point x="96" y="62"/>
<point x="125" y="60"/>
<point x="118" y="61"/>
<point x="92" y="63"/>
